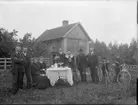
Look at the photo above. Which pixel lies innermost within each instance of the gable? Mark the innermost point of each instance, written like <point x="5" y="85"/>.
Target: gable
<point x="78" y="33"/>
<point x="55" y="33"/>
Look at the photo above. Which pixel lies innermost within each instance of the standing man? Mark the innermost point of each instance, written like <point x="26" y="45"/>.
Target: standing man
<point x="105" y="69"/>
<point x="118" y="62"/>
<point x="61" y="56"/>
<point x="17" y="69"/>
<point x="70" y="61"/>
<point x="81" y="63"/>
<point x="27" y="67"/>
<point x="93" y="63"/>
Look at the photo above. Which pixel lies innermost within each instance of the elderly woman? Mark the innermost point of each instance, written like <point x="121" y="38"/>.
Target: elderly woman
<point x="42" y="64"/>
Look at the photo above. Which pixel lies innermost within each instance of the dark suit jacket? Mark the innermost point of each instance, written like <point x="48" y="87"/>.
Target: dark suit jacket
<point x="42" y="65"/>
<point x="92" y="60"/>
<point x="70" y="61"/>
<point x="81" y="61"/>
<point x="61" y="57"/>
<point x="27" y="60"/>
<point x="35" y="69"/>
<point x="18" y="61"/>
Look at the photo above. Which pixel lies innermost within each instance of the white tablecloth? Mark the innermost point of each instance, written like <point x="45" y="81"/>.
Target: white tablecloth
<point x="55" y="73"/>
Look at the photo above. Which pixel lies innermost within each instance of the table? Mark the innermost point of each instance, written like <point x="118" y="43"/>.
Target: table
<point x="54" y="73"/>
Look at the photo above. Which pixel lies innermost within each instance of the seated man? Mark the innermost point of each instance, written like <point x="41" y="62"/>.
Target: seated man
<point x="39" y="81"/>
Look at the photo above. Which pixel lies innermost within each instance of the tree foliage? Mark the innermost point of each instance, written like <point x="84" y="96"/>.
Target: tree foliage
<point x="7" y="42"/>
<point x="125" y="51"/>
<point x="35" y="49"/>
<point x="28" y="42"/>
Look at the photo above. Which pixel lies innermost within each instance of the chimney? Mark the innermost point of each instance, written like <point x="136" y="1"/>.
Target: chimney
<point x="65" y="23"/>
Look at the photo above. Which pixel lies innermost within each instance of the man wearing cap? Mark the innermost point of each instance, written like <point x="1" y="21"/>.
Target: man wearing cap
<point x="17" y="69"/>
<point x="27" y="67"/>
<point x="92" y="59"/>
<point x="81" y="63"/>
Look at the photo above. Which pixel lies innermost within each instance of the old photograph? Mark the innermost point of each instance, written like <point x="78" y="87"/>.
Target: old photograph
<point x="68" y="51"/>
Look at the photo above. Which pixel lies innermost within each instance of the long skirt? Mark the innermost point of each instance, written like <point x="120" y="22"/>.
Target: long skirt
<point x="41" y="82"/>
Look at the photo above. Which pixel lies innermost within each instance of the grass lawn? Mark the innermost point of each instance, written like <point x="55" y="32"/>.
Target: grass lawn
<point x="82" y="93"/>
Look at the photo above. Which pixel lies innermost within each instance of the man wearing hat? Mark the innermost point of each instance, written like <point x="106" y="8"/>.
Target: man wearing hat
<point x="17" y="69"/>
<point x="81" y="63"/>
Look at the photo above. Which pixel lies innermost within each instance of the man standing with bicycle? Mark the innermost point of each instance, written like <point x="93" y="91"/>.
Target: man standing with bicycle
<point x="105" y="69"/>
<point x="118" y="62"/>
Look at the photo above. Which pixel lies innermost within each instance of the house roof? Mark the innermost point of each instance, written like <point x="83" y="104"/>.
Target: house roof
<point x="58" y="32"/>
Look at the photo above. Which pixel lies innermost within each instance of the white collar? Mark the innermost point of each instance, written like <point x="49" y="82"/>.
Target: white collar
<point x="41" y="62"/>
<point x="25" y="53"/>
<point x="69" y="56"/>
<point x="60" y="52"/>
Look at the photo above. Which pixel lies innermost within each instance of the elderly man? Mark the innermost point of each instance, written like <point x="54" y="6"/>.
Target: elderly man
<point x="17" y="69"/>
<point x="92" y="59"/>
<point x="27" y="67"/>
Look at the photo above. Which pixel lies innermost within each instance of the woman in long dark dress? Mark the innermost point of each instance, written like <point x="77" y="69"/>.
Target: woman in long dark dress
<point x="42" y="64"/>
<point x="40" y="80"/>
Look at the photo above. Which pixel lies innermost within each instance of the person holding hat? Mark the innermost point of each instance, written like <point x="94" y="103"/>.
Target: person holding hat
<point x="81" y="63"/>
<point x="17" y="70"/>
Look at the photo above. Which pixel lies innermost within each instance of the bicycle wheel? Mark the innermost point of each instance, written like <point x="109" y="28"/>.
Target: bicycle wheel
<point x="124" y="78"/>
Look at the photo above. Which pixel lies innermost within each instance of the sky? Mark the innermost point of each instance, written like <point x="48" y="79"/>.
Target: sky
<point x="105" y="20"/>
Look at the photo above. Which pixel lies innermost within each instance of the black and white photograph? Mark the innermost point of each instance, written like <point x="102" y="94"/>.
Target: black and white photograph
<point x="68" y="52"/>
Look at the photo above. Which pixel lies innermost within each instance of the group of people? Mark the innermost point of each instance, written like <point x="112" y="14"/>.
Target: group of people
<point x="22" y="65"/>
<point x="82" y="61"/>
